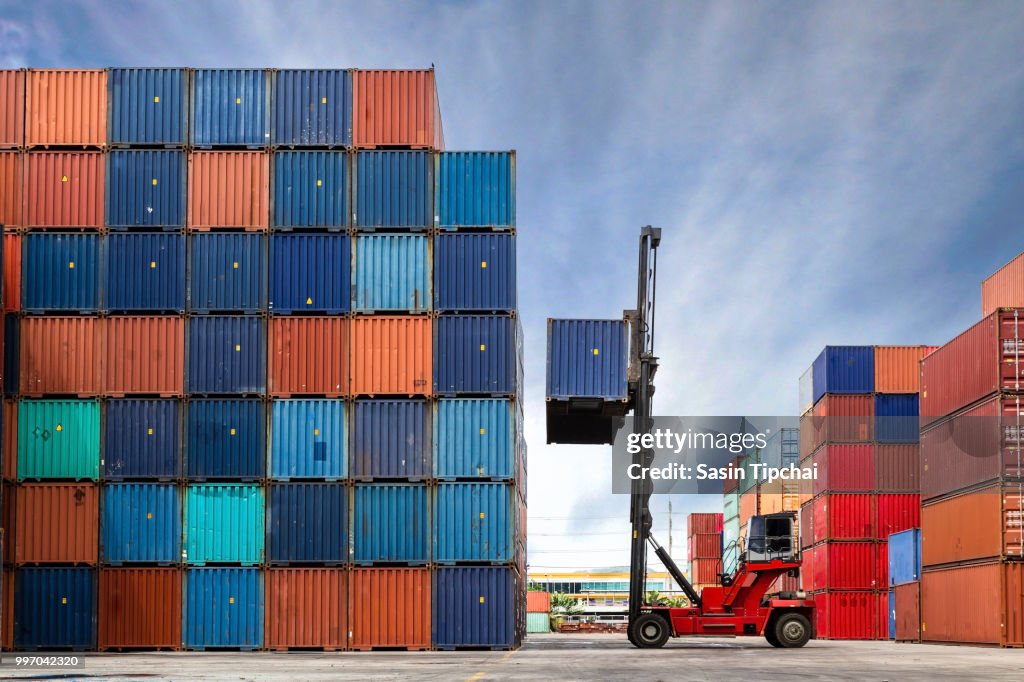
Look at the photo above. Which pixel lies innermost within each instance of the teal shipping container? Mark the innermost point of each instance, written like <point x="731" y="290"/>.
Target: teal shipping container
<point x="475" y="189"/>
<point x="224" y="523"/>
<point x="141" y="522"/>
<point x="308" y="439"/>
<point x="390" y="523"/>
<point x="392" y="272"/>
<point x="473" y="522"/>
<point x="59" y="439"/>
<point x="473" y="439"/>
<point x="538" y="623"/>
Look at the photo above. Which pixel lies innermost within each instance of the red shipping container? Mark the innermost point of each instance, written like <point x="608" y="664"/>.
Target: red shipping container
<point x="845" y="566"/>
<point x="882" y="572"/>
<point x="785" y="583"/>
<point x="66" y="107"/>
<point x="704" y="523"/>
<point x="844" y="516"/>
<point x="12" y="108"/>
<point x="897" y="467"/>
<point x="706" y="571"/>
<point x="307" y="608"/>
<point x="908" y="612"/>
<point x="846" y="467"/>
<point x="984" y="524"/>
<point x="56" y="523"/>
<point x="145" y="355"/>
<point x="807" y="556"/>
<point x="229" y="189"/>
<point x="391" y="355"/>
<point x="8" y="508"/>
<point x="897" y="512"/>
<point x="61" y="355"/>
<point x="393" y="108"/>
<point x="308" y="356"/>
<point x="139" y="608"/>
<point x="807" y="524"/>
<point x="974" y="604"/>
<point x="704" y="546"/>
<point x="64" y="189"/>
<point x="898" y="368"/>
<point x="538" y="602"/>
<point x="808" y="435"/>
<point x="11" y="187"/>
<point x="389" y="607"/>
<point x="848" y="615"/>
<point x="12" y="272"/>
<point x="1004" y="288"/>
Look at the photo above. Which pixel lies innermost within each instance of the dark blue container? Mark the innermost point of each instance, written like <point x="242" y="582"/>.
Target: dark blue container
<point x="310" y="273"/>
<point x="145" y="272"/>
<point x="587" y="359"/>
<point x="308" y="522"/>
<point x="474" y="606"/>
<point x="312" y="107"/>
<point x="145" y="189"/>
<point x="60" y="272"/>
<point x="228" y="273"/>
<point x="896" y="417"/>
<point x="473" y="522"/>
<point x="12" y="361"/>
<point x="475" y="272"/>
<point x="475" y="355"/>
<point x="390" y="439"/>
<point x="141" y="523"/>
<point x="227" y="439"/>
<point x="142" y="439"/>
<point x="148" y="106"/>
<point x="393" y="189"/>
<point x="905" y="557"/>
<point x="311" y="189"/>
<point x="55" y="608"/>
<point x="227" y="354"/>
<point x="230" y="108"/>
<point x="223" y="608"/>
<point x="475" y="189"/>
<point x="892" y="614"/>
<point x="390" y="523"/>
<point x="844" y="369"/>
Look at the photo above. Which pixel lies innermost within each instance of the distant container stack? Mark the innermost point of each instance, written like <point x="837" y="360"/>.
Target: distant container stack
<point x="704" y="549"/>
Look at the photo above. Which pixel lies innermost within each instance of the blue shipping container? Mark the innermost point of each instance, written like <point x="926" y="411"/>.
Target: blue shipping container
<point x="896" y="417"/>
<point x="308" y="439"/>
<point x="393" y="189"/>
<point x="475" y="189"/>
<point x="473" y="439"/>
<point x="390" y="523"/>
<point x="224" y="523"/>
<point x="311" y="189"/>
<point x="475" y="354"/>
<point x="12" y="361"/>
<point x="148" y="106"/>
<point x="310" y="273"/>
<point x="892" y="614"/>
<point x="145" y="272"/>
<point x="54" y="607"/>
<point x="587" y="359"/>
<point x="475" y="272"/>
<point x="145" y="188"/>
<point x="60" y="272"/>
<point x="312" y="107"/>
<point x="141" y="523"/>
<point x="228" y="273"/>
<point x="142" y="439"/>
<point x="844" y="369"/>
<point x="226" y="439"/>
<point x="307" y="522"/>
<point x="473" y="522"/>
<point x="392" y="272"/>
<point x="227" y="354"/>
<point x="230" y="107"/>
<point x="390" y="439"/>
<point x="223" y="608"/>
<point x="905" y="557"/>
<point x="474" y="606"/>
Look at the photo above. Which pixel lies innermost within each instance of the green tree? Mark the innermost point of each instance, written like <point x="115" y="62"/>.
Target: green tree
<point x="563" y="603"/>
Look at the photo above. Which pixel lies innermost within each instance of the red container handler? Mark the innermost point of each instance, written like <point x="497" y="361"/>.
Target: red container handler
<point x="844" y="467"/>
<point x="139" y="608"/>
<point x="844" y="516"/>
<point x="852" y="615"/>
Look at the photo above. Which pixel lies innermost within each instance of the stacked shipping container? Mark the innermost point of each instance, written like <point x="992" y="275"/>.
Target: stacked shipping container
<point x="704" y="549"/>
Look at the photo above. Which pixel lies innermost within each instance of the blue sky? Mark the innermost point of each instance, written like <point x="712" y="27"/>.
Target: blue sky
<point x="824" y="172"/>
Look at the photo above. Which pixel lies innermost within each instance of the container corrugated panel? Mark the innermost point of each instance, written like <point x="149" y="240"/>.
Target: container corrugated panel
<point x="145" y="355"/>
<point x="538" y="623"/>
<point x="1004" y="288"/>
<point x="475" y="606"/>
<point x="308" y="439"/>
<point x="896" y="418"/>
<point x="846" y="566"/>
<point x="473" y="439"/>
<point x="148" y="106"/>
<point x="307" y="522"/>
<point x="11" y="188"/>
<point x="226" y="439"/>
<point x="390" y="523"/>
<point x="58" y="439"/>
<point x="312" y="107"/>
<point x="228" y="272"/>
<point x="475" y="189"/>
<point x="391" y="355"/>
<point x="230" y="107"/>
<point x="141" y="522"/>
<point x="892" y="614"/>
<point x="390" y="607"/>
<point x="897" y="468"/>
<point x="905" y="556"/>
<point x="62" y="272"/>
<point x="396" y="108"/>
<point x="223" y="607"/>
<point x="142" y="439"/>
<point x="848" y="615"/>
<point x="12" y="355"/>
<point x="55" y="608"/>
<point x="993" y="613"/>
<point x="310" y="273"/>
<point x="390" y="439"/>
<point x="473" y="522"/>
<point x="392" y="272"/>
<point x="311" y="189"/>
<point x="908" y="612"/>
<point x="475" y="355"/>
<point x="475" y="272"/>
<point x="307" y="608"/>
<point x="845" y="467"/>
<point x="393" y="189"/>
<point x="308" y="356"/>
<point x="538" y="602"/>
<point x="844" y="369"/>
<point x="64" y="189"/>
<point x="844" y="516"/>
<point x="139" y="608"/>
<point x="145" y="272"/>
<point x="896" y="512"/>
<point x="66" y="107"/>
<point x="12" y="108"/>
<point x="56" y="523"/>
<point x="9" y="447"/>
<point x="806" y="391"/>
<point x="984" y="524"/>
<point x="145" y="188"/>
<point x="587" y="358"/>
<point x="227" y="354"/>
<point x="229" y="190"/>
<point x="224" y="523"/>
<point x="11" y="274"/>
<point x="841" y="419"/>
<point x="898" y="368"/>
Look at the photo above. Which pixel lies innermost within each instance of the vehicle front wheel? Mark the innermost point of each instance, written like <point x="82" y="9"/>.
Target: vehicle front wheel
<point x="649" y="631"/>
<point x="791" y="631"/>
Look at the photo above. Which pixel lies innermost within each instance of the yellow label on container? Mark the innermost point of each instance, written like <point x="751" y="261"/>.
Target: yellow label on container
<point x="483" y="264"/>
<point x="595" y="351"/>
<point x="149" y="432"/>
<point x="238" y="347"/>
<point x="156" y="100"/>
<point x="319" y="183"/>
<point x="71" y="265"/>
<point x="483" y="346"/>
<point x="316" y="432"/>
<point x="232" y="432"/>
<point x="63" y="600"/>
<point x="149" y="515"/>
<point x="483" y="431"/>
<point x="63" y="178"/>
<point x="231" y="600"/>
<point x="481" y="515"/>
<point x="154" y="182"/>
<point x="152" y="264"/>
<point x="309" y="300"/>
<point x="323" y="100"/>
<point x="238" y="100"/>
<point x="59" y="427"/>
<point x="481" y="600"/>
<point x="235" y="265"/>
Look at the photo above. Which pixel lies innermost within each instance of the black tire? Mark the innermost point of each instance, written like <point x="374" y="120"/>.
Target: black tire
<point x="791" y="630"/>
<point x="649" y="631"/>
<point x="769" y="634"/>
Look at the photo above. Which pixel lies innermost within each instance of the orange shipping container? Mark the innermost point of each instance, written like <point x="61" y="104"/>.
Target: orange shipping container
<point x="975" y="604"/>
<point x="391" y="355"/>
<point x="64" y="189"/>
<point x="61" y="355"/>
<point x="66" y="107"/>
<point x="11" y="186"/>
<point x="12" y="108"/>
<point x="7" y="514"/>
<point x="12" y="272"/>
<point x="139" y="608"/>
<point x="10" y="441"/>
<point x="229" y="189"/>
<point x="56" y="523"/>
<point x="538" y="602"/>
<point x="898" y="368"/>
<point x="145" y="355"/>
<point x="307" y="607"/>
<point x="984" y="524"/>
<point x="308" y="355"/>
<point x="393" y="108"/>
<point x="389" y="607"/>
<point x="1004" y="288"/>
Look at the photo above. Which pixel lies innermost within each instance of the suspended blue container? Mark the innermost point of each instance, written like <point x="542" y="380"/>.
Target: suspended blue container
<point x="475" y="606"/>
<point x="896" y="417"/>
<point x="587" y="359"/>
<point x="227" y="354"/>
<point x="905" y="557"/>
<point x="148" y="106"/>
<point x="475" y="354"/>
<point x="142" y="439"/>
<point x="230" y="108"/>
<point x="844" y="369"/>
<point x="390" y="523"/>
<point x="311" y="189"/>
<point x="393" y="189"/>
<point x="475" y="189"/>
<point x="475" y="272"/>
<point x="223" y="608"/>
<point x="474" y="438"/>
<point x="307" y="522"/>
<point x="224" y="523"/>
<point x="312" y="107"/>
<point x="228" y="273"/>
<point x="310" y="273"/>
<point x="308" y="439"/>
<point x="12" y="361"/>
<point x="60" y="272"/>
<point x="54" y="608"/>
<point x="226" y="439"/>
<point x="141" y="523"/>
<point x="145" y="189"/>
<point x="392" y="272"/>
<point x="145" y="272"/>
<point x="390" y="439"/>
<point x="892" y="614"/>
<point x="473" y="522"/>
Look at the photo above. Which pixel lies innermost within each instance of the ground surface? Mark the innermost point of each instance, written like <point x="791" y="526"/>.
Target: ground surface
<point x="577" y="657"/>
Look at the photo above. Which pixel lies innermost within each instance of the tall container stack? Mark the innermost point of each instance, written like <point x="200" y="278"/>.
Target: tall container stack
<point x="704" y="549"/>
<point x="732" y="540"/>
<point x="781" y="450"/>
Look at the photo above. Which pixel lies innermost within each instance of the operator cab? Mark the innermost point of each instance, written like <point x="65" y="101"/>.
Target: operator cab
<point x="772" y="537"/>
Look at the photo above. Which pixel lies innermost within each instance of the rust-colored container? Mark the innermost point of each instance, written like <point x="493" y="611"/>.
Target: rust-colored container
<point x="61" y="355"/>
<point x="704" y="546"/>
<point x="748" y="505"/>
<point x="56" y="523"/>
<point x="307" y="608"/>
<point x="898" y="368"/>
<point x="974" y="604"/>
<point x="389" y="607"/>
<point x="63" y="189"/>
<point x="393" y="108"/>
<point x="308" y="356"/>
<point x="1004" y="288"/>
<point x="698" y="523"/>
<point x="11" y="187"/>
<point x="12" y="271"/>
<point x="66" y="107"/>
<point x="983" y="524"/>
<point x="838" y="418"/>
<point x="538" y="602"/>
<point x="846" y="467"/>
<point x="705" y="571"/>
<point x="8" y="506"/>
<point x="145" y="354"/>
<point x="139" y="608"/>
<point x="908" y="612"/>
<point x="229" y="189"/>
<point x="391" y="355"/>
<point x="10" y="442"/>
<point x="897" y="467"/>
<point x="12" y="108"/>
